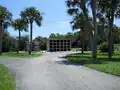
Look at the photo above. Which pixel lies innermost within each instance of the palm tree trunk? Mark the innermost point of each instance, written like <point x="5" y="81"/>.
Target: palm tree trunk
<point x="31" y="27"/>
<point x="82" y="46"/>
<point x="82" y="43"/>
<point x="110" y="41"/>
<point x="1" y="34"/>
<point x="18" y="48"/>
<point x="110" y="37"/>
<point x="92" y="42"/>
<point x="94" y="52"/>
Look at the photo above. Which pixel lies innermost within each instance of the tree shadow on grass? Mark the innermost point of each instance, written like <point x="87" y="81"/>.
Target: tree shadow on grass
<point x="77" y="57"/>
<point x="78" y="60"/>
<point x="82" y="59"/>
<point x="75" y="54"/>
<point x="113" y="59"/>
<point x="66" y="62"/>
<point x="106" y="54"/>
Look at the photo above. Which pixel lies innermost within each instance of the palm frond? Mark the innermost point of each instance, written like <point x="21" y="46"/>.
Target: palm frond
<point x="20" y="24"/>
<point x="31" y="15"/>
<point x="5" y="17"/>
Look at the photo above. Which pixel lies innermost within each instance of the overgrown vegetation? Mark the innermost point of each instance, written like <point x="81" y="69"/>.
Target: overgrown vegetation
<point x="104" y="47"/>
<point x="102" y="64"/>
<point x="7" y="80"/>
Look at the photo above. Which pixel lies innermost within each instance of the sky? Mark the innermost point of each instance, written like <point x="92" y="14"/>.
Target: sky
<point x="54" y="12"/>
<point x="55" y="17"/>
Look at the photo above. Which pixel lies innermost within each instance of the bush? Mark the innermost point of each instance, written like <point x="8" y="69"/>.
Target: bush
<point x="117" y="47"/>
<point x="104" y="47"/>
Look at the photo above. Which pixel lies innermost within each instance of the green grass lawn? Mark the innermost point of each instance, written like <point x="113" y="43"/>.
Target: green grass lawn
<point x="7" y="80"/>
<point x="102" y="64"/>
<point x="22" y="54"/>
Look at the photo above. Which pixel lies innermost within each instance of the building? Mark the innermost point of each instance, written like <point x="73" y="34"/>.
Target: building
<point x="58" y="45"/>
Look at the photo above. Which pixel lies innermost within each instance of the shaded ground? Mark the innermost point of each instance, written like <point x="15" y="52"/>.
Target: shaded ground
<point x="103" y="63"/>
<point x="50" y="72"/>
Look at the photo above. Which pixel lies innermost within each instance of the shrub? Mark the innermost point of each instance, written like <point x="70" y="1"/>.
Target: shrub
<point x="116" y="47"/>
<point x="103" y="47"/>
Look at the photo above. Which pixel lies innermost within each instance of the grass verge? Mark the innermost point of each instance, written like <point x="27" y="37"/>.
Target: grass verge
<point x="102" y="64"/>
<point x="22" y="54"/>
<point x="7" y="81"/>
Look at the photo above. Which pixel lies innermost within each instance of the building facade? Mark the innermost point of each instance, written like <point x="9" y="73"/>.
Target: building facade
<point x="54" y="45"/>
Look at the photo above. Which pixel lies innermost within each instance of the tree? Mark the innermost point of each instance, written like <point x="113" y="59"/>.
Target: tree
<point x="69" y="35"/>
<point x="42" y="42"/>
<point x="102" y="28"/>
<point x="23" y="42"/>
<point x="94" y="9"/>
<point x="52" y="35"/>
<point x="78" y="23"/>
<point x="79" y="17"/>
<point x="116" y="34"/>
<point x="60" y="35"/>
<point x="110" y="8"/>
<point x="77" y="7"/>
<point x="5" y="21"/>
<point x="31" y="15"/>
<point x="20" y="25"/>
<point x="8" y="42"/>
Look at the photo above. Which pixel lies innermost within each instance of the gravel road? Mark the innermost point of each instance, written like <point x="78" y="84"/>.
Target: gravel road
<point x="52" y="72"/>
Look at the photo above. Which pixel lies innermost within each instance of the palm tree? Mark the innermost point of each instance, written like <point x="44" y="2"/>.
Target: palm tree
<point x="31" y="15"/>
<point x="5" y="21"/>
<point x="20" y="25"/>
